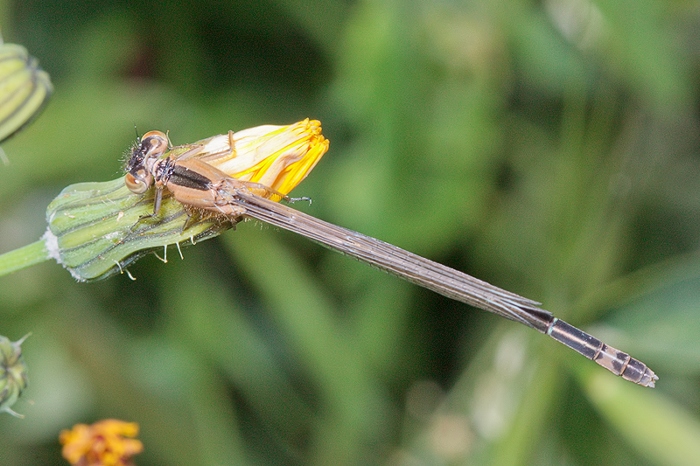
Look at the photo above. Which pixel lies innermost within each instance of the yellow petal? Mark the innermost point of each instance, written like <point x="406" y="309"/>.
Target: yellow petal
<point x="279" y="157"/>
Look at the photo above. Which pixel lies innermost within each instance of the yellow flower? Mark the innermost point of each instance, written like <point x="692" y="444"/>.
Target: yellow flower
<point x="279" y="157"/>
<point x="105" y="443"/>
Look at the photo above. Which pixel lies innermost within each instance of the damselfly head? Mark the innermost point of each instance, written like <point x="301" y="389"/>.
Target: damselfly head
<point x="154" y="143"/>
<point x="143" y="156"/>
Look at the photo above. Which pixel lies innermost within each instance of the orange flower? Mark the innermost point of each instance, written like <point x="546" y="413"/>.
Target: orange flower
<point x="105" y="443"/>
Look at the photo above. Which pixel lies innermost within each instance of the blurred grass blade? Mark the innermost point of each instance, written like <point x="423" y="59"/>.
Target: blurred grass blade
<point x="659" y="428"/>
<point x="24" y="89"/>
<point x="668" y="310"/>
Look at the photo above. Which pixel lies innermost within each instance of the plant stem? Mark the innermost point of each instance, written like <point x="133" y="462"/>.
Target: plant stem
<point x="23" y="257"/>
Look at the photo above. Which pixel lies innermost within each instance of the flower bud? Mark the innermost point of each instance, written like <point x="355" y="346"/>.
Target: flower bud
<point x="24" y="89"/>
<point x="98" y="229"/>
<point x="13" y="373"/>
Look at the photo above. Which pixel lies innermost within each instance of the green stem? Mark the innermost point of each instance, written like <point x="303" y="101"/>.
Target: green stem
<point x="23" y="257"/>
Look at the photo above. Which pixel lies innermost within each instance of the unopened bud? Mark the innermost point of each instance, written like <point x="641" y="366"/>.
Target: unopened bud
<point x="13" y="373"/>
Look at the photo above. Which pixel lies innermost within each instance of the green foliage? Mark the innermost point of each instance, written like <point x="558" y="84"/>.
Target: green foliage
<point x="550" y="148"/>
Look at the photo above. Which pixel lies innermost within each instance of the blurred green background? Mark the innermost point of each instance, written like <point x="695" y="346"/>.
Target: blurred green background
<point x="551" y="148"/>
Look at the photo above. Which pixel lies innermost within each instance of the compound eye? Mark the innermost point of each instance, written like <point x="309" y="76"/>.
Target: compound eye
<point x="154" y="142"/>
<point x="138" y="182"/>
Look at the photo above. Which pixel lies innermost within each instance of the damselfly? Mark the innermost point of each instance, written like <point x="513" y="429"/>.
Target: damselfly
<point x="204" y="188"/>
